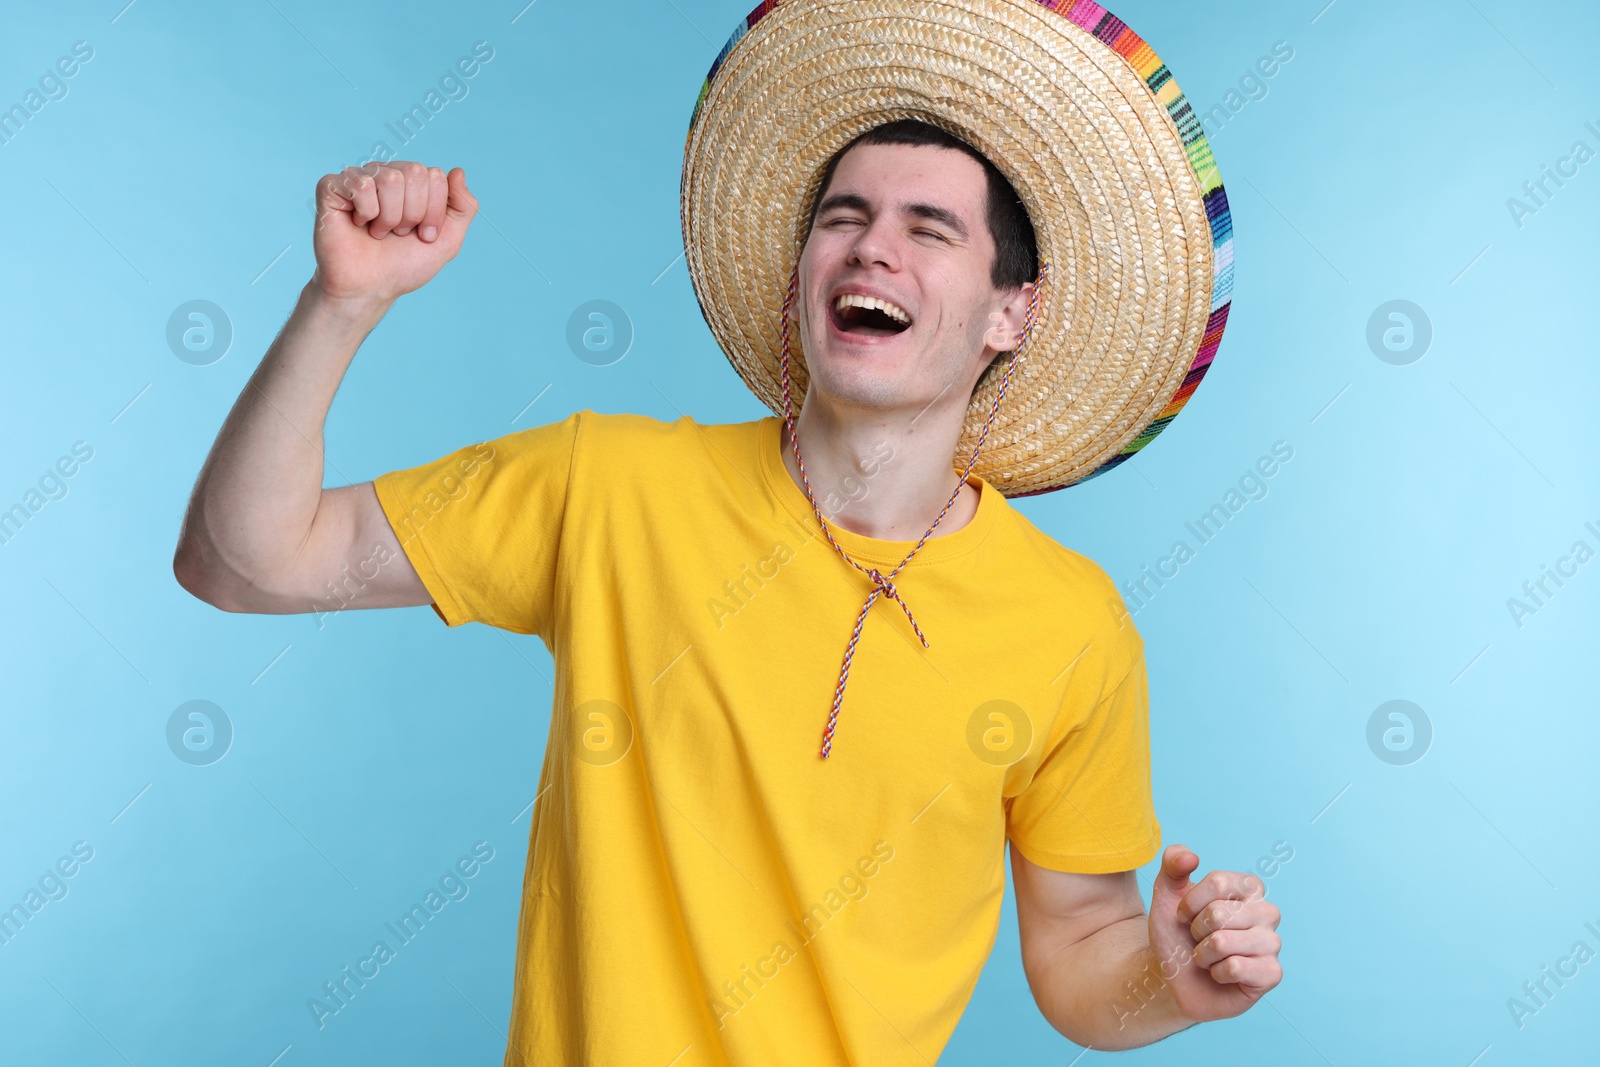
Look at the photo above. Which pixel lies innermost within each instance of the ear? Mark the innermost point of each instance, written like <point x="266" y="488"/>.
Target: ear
<point x="1005" y="325"/>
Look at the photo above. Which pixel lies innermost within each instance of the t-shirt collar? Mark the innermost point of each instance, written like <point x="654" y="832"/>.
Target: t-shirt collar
<point x="941" y="546"/>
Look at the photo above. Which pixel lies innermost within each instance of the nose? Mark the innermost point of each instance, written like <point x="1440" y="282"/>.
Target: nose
<point x="876" y="244"/>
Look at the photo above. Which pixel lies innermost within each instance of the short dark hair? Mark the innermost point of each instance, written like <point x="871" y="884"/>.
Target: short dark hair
<point x="1016" y="259"/>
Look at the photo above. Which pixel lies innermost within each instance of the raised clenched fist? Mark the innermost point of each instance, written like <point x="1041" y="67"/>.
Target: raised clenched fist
<point x="385" y="229"/>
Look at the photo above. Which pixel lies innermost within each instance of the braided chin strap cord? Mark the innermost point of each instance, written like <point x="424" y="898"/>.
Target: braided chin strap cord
<point x="883" y="584"/>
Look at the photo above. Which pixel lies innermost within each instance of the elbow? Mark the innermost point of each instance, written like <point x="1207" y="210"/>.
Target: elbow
<point x="190" y="575"/>
<point x="198" y="580"/>
<point x="208" y="568"/>
<point x="215" y="581"/>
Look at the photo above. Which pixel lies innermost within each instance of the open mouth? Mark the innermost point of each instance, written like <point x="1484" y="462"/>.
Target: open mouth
<point x="865" y="321"/>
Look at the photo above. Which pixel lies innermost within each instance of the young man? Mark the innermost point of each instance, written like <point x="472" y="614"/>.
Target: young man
<point x="701" y="888"/>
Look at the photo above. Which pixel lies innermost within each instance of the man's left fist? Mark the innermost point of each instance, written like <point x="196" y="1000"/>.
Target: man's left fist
<point x="1214" y="940"/>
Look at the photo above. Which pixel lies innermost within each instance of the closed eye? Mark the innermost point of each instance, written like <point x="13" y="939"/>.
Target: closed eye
<point x="930" y="233"/>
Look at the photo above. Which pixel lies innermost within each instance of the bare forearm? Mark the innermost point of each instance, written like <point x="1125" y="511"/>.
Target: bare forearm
<point x="1108" y="991"/>
<point x="258" y="491"/>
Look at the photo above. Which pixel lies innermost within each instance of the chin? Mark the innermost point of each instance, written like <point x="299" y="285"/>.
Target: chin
<point x="859" y="383"/>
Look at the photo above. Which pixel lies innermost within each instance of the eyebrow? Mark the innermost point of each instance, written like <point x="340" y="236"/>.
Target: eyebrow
<point x="932" y="212"/>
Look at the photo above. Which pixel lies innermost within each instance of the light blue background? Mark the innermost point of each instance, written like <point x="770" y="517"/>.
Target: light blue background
<point x="369" y="754"/>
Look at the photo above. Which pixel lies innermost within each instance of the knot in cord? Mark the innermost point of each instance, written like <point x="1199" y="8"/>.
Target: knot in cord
<point x="885" y="587"/>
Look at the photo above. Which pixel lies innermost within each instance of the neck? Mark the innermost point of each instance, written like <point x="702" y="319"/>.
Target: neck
<point x="879" y="476"/>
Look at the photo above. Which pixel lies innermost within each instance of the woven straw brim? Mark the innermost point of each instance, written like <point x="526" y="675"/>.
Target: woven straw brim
<point x="1083" y="119"/>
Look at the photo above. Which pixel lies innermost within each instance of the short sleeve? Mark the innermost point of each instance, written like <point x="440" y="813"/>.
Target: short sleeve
<point x="1088" y="806"/>
<point x="482" y="525"/>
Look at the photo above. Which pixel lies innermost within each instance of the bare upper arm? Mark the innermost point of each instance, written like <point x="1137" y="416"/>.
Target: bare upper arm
<point x="1057" y="909"/>
<point x="351" y="558"/>
<point x="361" y="554"/>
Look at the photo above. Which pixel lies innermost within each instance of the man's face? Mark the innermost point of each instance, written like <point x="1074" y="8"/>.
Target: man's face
<point x="904" y="223"/>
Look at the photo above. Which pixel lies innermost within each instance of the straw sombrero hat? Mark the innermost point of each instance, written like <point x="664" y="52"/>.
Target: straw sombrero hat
<point x="1074" y="109"/>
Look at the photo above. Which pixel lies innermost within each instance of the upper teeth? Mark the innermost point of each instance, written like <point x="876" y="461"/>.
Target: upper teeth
<point x="857" y="300"/>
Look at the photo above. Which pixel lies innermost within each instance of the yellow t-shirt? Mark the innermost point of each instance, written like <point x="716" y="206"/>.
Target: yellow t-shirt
<point x="702" y="888"/>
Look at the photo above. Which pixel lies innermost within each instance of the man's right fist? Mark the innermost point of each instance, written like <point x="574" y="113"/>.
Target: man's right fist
<point x="385" y="229"/>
